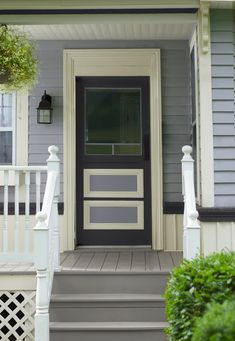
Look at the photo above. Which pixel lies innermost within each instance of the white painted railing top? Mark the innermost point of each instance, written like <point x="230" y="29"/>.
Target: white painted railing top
<point x="191" y="236"/>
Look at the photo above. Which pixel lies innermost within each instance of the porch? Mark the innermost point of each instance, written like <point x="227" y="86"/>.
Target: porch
<point x="106" y="260"/>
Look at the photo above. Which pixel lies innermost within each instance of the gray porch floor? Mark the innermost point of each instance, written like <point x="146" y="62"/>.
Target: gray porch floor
<point x="111" y="260"/>
<point x="120" y="260"/>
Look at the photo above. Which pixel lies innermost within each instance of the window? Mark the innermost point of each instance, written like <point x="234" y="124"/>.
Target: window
<point x="113" y="121"/>
<point x="7" y="128"/>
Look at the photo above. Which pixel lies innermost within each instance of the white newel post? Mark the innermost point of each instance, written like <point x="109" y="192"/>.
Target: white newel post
<point x="53" y="164"/>
<point x="41" y="257"/>
<point x="191" y="234"/>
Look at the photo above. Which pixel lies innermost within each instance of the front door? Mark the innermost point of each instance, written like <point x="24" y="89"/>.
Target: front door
<point x="113" y="185"/>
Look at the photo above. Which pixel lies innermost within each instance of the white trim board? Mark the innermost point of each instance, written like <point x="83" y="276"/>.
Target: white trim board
<point x="112" y="62"/>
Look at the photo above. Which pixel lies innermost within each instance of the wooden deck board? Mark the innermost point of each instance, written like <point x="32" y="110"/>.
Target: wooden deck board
<point x="138" y="261"/>
<point x="113" y="260"/>
<point x="152" y="261"/>
<point x="97" y="261"/>
<point x="110" y="262"/>
<point x="84" y="260"/>
<point x="166" y="262"/>
<point x="124" y="261"/>
<point x="70" y="261"/>
<point x="176" y="257"/>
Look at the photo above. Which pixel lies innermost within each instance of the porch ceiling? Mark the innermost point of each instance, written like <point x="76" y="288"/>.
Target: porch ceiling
<point x="111" y="31"/>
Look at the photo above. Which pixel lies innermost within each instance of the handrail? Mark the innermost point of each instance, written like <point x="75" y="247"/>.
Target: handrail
<point x="191" y="237"/>
<point x="23" y="168"/>
<point x="46" y="246"/>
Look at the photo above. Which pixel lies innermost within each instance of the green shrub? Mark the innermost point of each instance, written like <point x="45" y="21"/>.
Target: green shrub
<point x="192" y="286"/>
<point x="18" y="64"/>
<point x="217" y="324"/>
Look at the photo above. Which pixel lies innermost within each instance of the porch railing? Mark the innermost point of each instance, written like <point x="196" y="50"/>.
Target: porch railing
<point x="23" y="243"/>
<point x="46" y="246"/>
<point x="191" y="233"/>
<point x="18" y="184"/>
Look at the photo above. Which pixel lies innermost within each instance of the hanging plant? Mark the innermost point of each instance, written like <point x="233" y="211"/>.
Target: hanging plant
<point x="18" y="64"/>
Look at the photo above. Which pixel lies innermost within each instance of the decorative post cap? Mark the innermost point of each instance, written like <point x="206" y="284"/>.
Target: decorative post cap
<point x="41" y="221"/>
<point x="193" y="215"/>
<point x="41" y="217"/>
<point x="53" y="150"/>
<point x="187" y="150"/>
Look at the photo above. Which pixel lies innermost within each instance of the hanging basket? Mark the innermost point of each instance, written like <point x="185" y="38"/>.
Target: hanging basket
<point x="18" y="64"/>
<point x="4" y="76"/>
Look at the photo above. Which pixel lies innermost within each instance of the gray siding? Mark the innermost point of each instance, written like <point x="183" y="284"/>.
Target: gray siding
<point x="223" y="97"/>
<point x="175" y="102"/>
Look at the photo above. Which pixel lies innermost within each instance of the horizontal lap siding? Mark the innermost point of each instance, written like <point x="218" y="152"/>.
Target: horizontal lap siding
<point x="175" y="102"/>
<point x="223" y="96"/>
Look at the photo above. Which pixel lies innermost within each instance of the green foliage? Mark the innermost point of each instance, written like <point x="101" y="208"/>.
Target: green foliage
<point x="192" y="286"/>
<point x="17" y="60"/>
<point x="217" y="324"/>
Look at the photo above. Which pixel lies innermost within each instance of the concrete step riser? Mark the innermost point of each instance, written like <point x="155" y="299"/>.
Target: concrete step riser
<point x="155" y="335"/>
<point x="107" y="313"/>
<point x="109" y="283"/>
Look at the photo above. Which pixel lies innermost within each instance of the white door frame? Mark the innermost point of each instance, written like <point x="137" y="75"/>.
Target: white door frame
<point x="112" y="62"/>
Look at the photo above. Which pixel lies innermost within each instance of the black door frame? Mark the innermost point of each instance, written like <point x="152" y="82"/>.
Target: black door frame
<point x="103" y="237"/>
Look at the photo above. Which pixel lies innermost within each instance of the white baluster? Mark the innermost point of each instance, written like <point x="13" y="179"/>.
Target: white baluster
<point x="5" y="228"/>
<point x="16" y="241"/>
<point x="41" y="258"/>
<point x="38" y="190"/>
<point x="27" y="212"/>
<point x="53" y="164"/>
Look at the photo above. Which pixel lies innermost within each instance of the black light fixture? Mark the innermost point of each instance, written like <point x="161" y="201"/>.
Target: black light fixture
<point x="44" y="110"/>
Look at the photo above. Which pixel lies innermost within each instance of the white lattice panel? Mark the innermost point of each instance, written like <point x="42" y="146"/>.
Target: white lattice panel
<point x="17" y="311"/>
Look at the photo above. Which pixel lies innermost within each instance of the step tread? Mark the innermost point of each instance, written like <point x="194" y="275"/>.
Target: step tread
<point x="103" y="326"/>
<point x="106" y="298"/>
<point x="75" y="272"/>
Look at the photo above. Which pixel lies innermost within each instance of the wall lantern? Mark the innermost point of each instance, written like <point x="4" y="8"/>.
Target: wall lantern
<point x="44" y="110"/>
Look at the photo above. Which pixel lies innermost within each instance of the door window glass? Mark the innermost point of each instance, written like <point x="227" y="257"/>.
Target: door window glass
<point x="113" y="121"/>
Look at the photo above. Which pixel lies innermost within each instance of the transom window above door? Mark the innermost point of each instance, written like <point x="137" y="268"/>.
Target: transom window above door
<point x="113" y="121"/>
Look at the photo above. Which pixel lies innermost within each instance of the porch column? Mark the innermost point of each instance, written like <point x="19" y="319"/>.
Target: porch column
<point x="205" y="107"/>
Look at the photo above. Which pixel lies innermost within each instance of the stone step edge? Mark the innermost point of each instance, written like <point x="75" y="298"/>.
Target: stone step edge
<point x="72" y="298"/>
<point x="107" y="326"/>
<point x="76" y="272"/>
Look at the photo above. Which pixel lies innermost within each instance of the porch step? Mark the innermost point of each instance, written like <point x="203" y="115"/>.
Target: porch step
<point x="107" y="331"/>
<point x="108" y="305"/>
<point x="84" y="282"/>
<point x="107" y="308"/>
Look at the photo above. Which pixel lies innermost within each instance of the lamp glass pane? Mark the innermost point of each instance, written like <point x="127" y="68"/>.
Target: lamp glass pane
<point x="44" y="116"/>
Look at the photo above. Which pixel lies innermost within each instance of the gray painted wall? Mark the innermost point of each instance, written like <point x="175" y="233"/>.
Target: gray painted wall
<point x="223" y="97"/>
<point x="175" y="102"/>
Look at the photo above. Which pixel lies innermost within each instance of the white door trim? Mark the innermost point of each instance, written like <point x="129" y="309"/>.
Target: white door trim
<point x="112" y="62"/>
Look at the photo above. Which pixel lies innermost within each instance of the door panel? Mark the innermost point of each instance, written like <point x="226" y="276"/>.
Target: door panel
<point x="113" y="183"/>
<point x="113" y="164"/>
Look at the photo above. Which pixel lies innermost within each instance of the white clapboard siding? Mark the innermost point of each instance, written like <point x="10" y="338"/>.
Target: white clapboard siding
<point x="173" y="232"/>
<point x="217" y="236"/>
<point x="175" y="77"/>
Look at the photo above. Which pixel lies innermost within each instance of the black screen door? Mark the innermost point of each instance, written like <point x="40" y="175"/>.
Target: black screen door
<point x="113" y="187"/>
